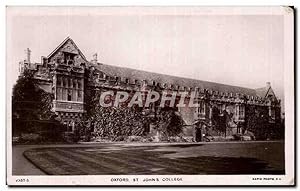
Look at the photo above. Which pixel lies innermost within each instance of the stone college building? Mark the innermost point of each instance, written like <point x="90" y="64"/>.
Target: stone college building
<point x="70" y="76"/>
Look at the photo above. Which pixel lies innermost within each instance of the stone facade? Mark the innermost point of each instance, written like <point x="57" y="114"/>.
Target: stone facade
<point x="69" y="76"/>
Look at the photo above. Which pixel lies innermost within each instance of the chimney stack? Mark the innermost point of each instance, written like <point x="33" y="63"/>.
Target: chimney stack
<point x="95" y="60"/>
<point x="28" y="53"/>
<point x="268" y="85"/>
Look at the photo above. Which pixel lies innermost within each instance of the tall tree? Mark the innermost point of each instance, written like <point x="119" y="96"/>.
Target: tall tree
<point x="29" y="103"/>
<point x="257" y="121"/>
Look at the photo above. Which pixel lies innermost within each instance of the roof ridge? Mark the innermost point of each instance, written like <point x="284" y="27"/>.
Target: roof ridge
<point x="262" y="88"/>
<point x="168" y="75"/>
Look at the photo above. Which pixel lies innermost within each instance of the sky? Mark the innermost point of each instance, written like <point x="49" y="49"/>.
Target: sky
<point x="241" y="50"/>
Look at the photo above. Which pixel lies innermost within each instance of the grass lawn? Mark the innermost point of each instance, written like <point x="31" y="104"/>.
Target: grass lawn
<point x="226" y="158"/>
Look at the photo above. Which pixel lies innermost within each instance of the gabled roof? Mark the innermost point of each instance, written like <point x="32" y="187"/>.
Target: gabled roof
<point x="62" y="44"/>
<point x="265" y="92"/>
<point x="168" y="79"/>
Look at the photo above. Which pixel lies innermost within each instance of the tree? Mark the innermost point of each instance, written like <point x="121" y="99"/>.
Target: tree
<point x="29" y="103"/>
<point x="168" y="122"/>
<point x="257" y="121"/>
<point x="220" y="120"/>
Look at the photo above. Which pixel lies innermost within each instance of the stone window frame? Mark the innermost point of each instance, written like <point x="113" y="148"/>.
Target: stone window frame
<point x="201" y="108"/>
<point x="240" y="111"/>
<point x="272" y="112"/>
<point x="69" y="95"/>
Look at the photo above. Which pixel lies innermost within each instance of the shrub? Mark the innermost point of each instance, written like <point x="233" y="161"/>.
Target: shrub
<point x="134" y="139"/>
<point x="119" y="138"/>
<point x="237" y="137"/>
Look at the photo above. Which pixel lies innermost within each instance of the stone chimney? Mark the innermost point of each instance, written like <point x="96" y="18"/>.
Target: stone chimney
<point x="43" y="60"/>
<point x="95" y="59"/>
<point x="27" y="54"/>
<point x="268" y="85"/>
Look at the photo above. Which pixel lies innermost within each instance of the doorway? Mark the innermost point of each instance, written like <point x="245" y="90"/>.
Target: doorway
<point x="198" y="134"/>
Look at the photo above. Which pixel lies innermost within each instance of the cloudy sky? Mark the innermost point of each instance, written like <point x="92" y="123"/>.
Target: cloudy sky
<point x="242" y="50"/>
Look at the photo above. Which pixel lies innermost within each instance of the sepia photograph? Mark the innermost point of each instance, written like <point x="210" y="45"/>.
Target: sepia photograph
<point x="150" y="95"/>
